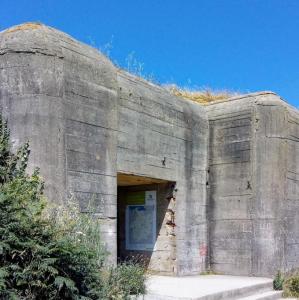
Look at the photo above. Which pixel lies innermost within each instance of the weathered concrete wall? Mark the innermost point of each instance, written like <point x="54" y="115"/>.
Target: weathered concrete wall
<point x="31" y="89"/>
<point x="252" y="229"/>
<point x="61" y="95"/>
<point x="230" y="191"/>
<point x="291" y="205"/>
<point x="269" y="167"/>
<point x="162" y="136"/>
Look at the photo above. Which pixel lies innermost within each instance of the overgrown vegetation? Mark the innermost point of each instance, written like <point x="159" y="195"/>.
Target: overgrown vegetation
<point x="202" y="96"/>
<point x="278" y="281"/>
<point x="125" y="280"/>
<point x="291" y="285"/>
<point x="136" y="67"/>
<point x="210" y="272"/>
<point x="288" y="282"/>
<point x="50" y="255"/>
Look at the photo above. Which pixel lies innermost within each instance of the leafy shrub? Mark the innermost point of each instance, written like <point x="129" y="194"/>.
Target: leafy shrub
<point x="47" y="257"/>
<point x="291" y="286"/>
<point x="79" y="228"/>
<point x="278" y="281"/>
<point x="124" y="280"/>
<point x="37" y="261"/>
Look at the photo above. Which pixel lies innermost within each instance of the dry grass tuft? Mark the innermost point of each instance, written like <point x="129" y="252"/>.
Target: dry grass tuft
<point x="204" y="96"/>
<point x="26" y="26"/>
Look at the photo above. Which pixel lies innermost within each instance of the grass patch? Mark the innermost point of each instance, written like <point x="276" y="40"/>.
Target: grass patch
<point x="209" y="272"/>
<point x="25" y="26"/>
<point x="202" y="96"/>
<point x="288" y="282"/>
<point x="291" y="285"/>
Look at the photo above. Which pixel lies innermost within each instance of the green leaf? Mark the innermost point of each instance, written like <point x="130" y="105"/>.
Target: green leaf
<point x="61" y="282"/>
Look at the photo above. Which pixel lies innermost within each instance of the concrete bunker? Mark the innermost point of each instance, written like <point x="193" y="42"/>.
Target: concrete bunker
<point x="98" y="132"/>
<point x="146" y="221"/>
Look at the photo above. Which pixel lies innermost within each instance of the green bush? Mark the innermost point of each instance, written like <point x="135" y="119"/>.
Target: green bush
<point x="291" y="286"/>
<point x="126" y="279"/>
<point x="37" y="261"/>
<point x="47" y="257"/>
<point x="278" y="281"/>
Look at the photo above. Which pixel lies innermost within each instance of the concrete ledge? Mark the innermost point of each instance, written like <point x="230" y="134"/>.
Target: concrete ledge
<point x="208" y="287"/>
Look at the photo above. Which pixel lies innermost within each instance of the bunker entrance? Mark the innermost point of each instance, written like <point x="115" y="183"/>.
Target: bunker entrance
<point x="145" y="221"/>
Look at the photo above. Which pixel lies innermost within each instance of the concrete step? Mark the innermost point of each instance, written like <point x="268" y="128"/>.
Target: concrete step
<point x="228" y="295"/>
<point x="209" y="287"/>
<point x="268" y="295"/>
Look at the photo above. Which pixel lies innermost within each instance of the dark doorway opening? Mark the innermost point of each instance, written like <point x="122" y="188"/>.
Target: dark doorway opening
<point x="146" y="222"/>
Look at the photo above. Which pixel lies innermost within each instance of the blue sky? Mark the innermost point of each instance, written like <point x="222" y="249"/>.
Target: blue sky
<point x="240" y="45"/>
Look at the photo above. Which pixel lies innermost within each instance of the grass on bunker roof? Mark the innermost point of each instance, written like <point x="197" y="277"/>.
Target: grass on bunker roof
<point x="25" y="26"/>
<point x="202" y="96"/>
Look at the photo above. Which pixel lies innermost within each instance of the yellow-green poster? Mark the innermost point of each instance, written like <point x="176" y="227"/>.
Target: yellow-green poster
<point x="135" y="198"/>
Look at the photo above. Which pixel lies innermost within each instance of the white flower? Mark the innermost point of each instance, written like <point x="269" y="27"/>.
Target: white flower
<point x="80" y="232"/>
